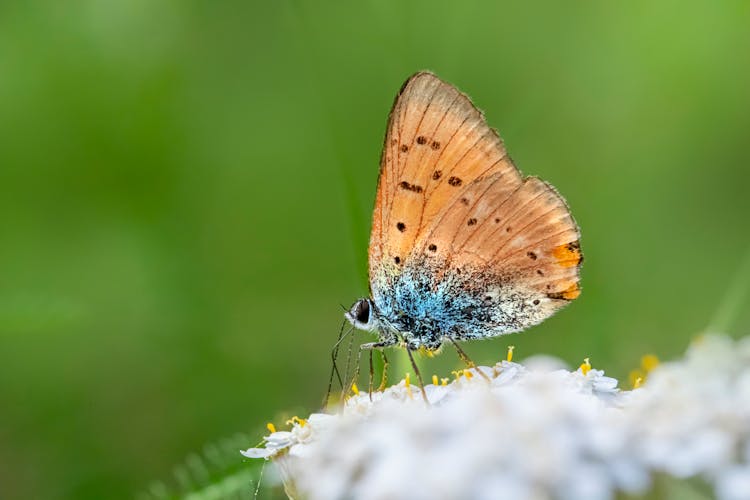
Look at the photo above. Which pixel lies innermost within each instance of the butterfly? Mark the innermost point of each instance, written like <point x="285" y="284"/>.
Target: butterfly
<point x="462" y="246"/>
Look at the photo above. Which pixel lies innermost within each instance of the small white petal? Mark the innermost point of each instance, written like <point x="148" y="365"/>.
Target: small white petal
<point x="280" y="439"/>
<point x="258" y="452"/>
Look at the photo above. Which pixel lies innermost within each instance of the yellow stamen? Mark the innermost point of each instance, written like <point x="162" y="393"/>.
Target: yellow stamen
<point x="457" y="373"/>
<point x="434" y="380"/>
<point x="637" y="383"/>
<point x="585" y="366"/>
<point x="635" y="375"/>
<point x="407" y="383"/>
<point x="271" y="428"/>
<point x="649" y="362"/>
<point x="355" y="389"/>
<point x="510" y="352"/>
<point x="444" y="381"/>
<point x="426" y="352"/>
<point x="296" y="420"/>
<point x="468" y="374"/>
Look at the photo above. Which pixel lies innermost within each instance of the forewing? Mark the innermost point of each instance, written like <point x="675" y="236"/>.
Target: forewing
<point x="437" y="146"/>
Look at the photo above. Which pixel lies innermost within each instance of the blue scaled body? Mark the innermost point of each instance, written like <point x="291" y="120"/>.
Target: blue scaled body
<point x="422" y="307"/>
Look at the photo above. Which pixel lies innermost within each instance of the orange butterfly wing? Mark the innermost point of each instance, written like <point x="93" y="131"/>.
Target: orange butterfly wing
<point x="450" y="197"/>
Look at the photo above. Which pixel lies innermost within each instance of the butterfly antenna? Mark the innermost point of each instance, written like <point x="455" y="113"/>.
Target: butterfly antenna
<point x="334" y="367"/>
<point x="419" y="375"/>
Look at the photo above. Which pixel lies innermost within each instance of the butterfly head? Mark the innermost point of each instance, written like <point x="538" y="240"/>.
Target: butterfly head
<point x="361" y="315"/>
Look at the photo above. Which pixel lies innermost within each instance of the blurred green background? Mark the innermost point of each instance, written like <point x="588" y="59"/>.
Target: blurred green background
<point x="185" y="190"/>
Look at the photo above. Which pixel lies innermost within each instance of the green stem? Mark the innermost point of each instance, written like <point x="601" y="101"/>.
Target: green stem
<point x="736" y="295"/>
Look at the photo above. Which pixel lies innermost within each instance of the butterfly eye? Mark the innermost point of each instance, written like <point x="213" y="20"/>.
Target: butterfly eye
<point x="362" y="312"/>
<point x="360" y="315"/>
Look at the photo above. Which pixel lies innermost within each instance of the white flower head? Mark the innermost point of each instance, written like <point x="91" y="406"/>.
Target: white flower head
<point x="534" y="430"/>
<point x="693" y="416"/>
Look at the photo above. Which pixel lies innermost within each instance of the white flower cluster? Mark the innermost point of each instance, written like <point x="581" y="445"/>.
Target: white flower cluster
<point x="534" y="431"/>
<point x="692" y="418"/>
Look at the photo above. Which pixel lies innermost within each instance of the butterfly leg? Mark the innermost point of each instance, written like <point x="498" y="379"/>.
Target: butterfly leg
<point x="419" y="375"/>
<point x="465" y="358"/>
<point x="355" y="377"/>
<point x="372" y="375"/>
<point x="384" y="376"/>
<point x="372" y="346"/>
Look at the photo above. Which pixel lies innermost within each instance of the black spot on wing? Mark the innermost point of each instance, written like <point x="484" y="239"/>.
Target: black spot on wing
<point x="410" y="187"/>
